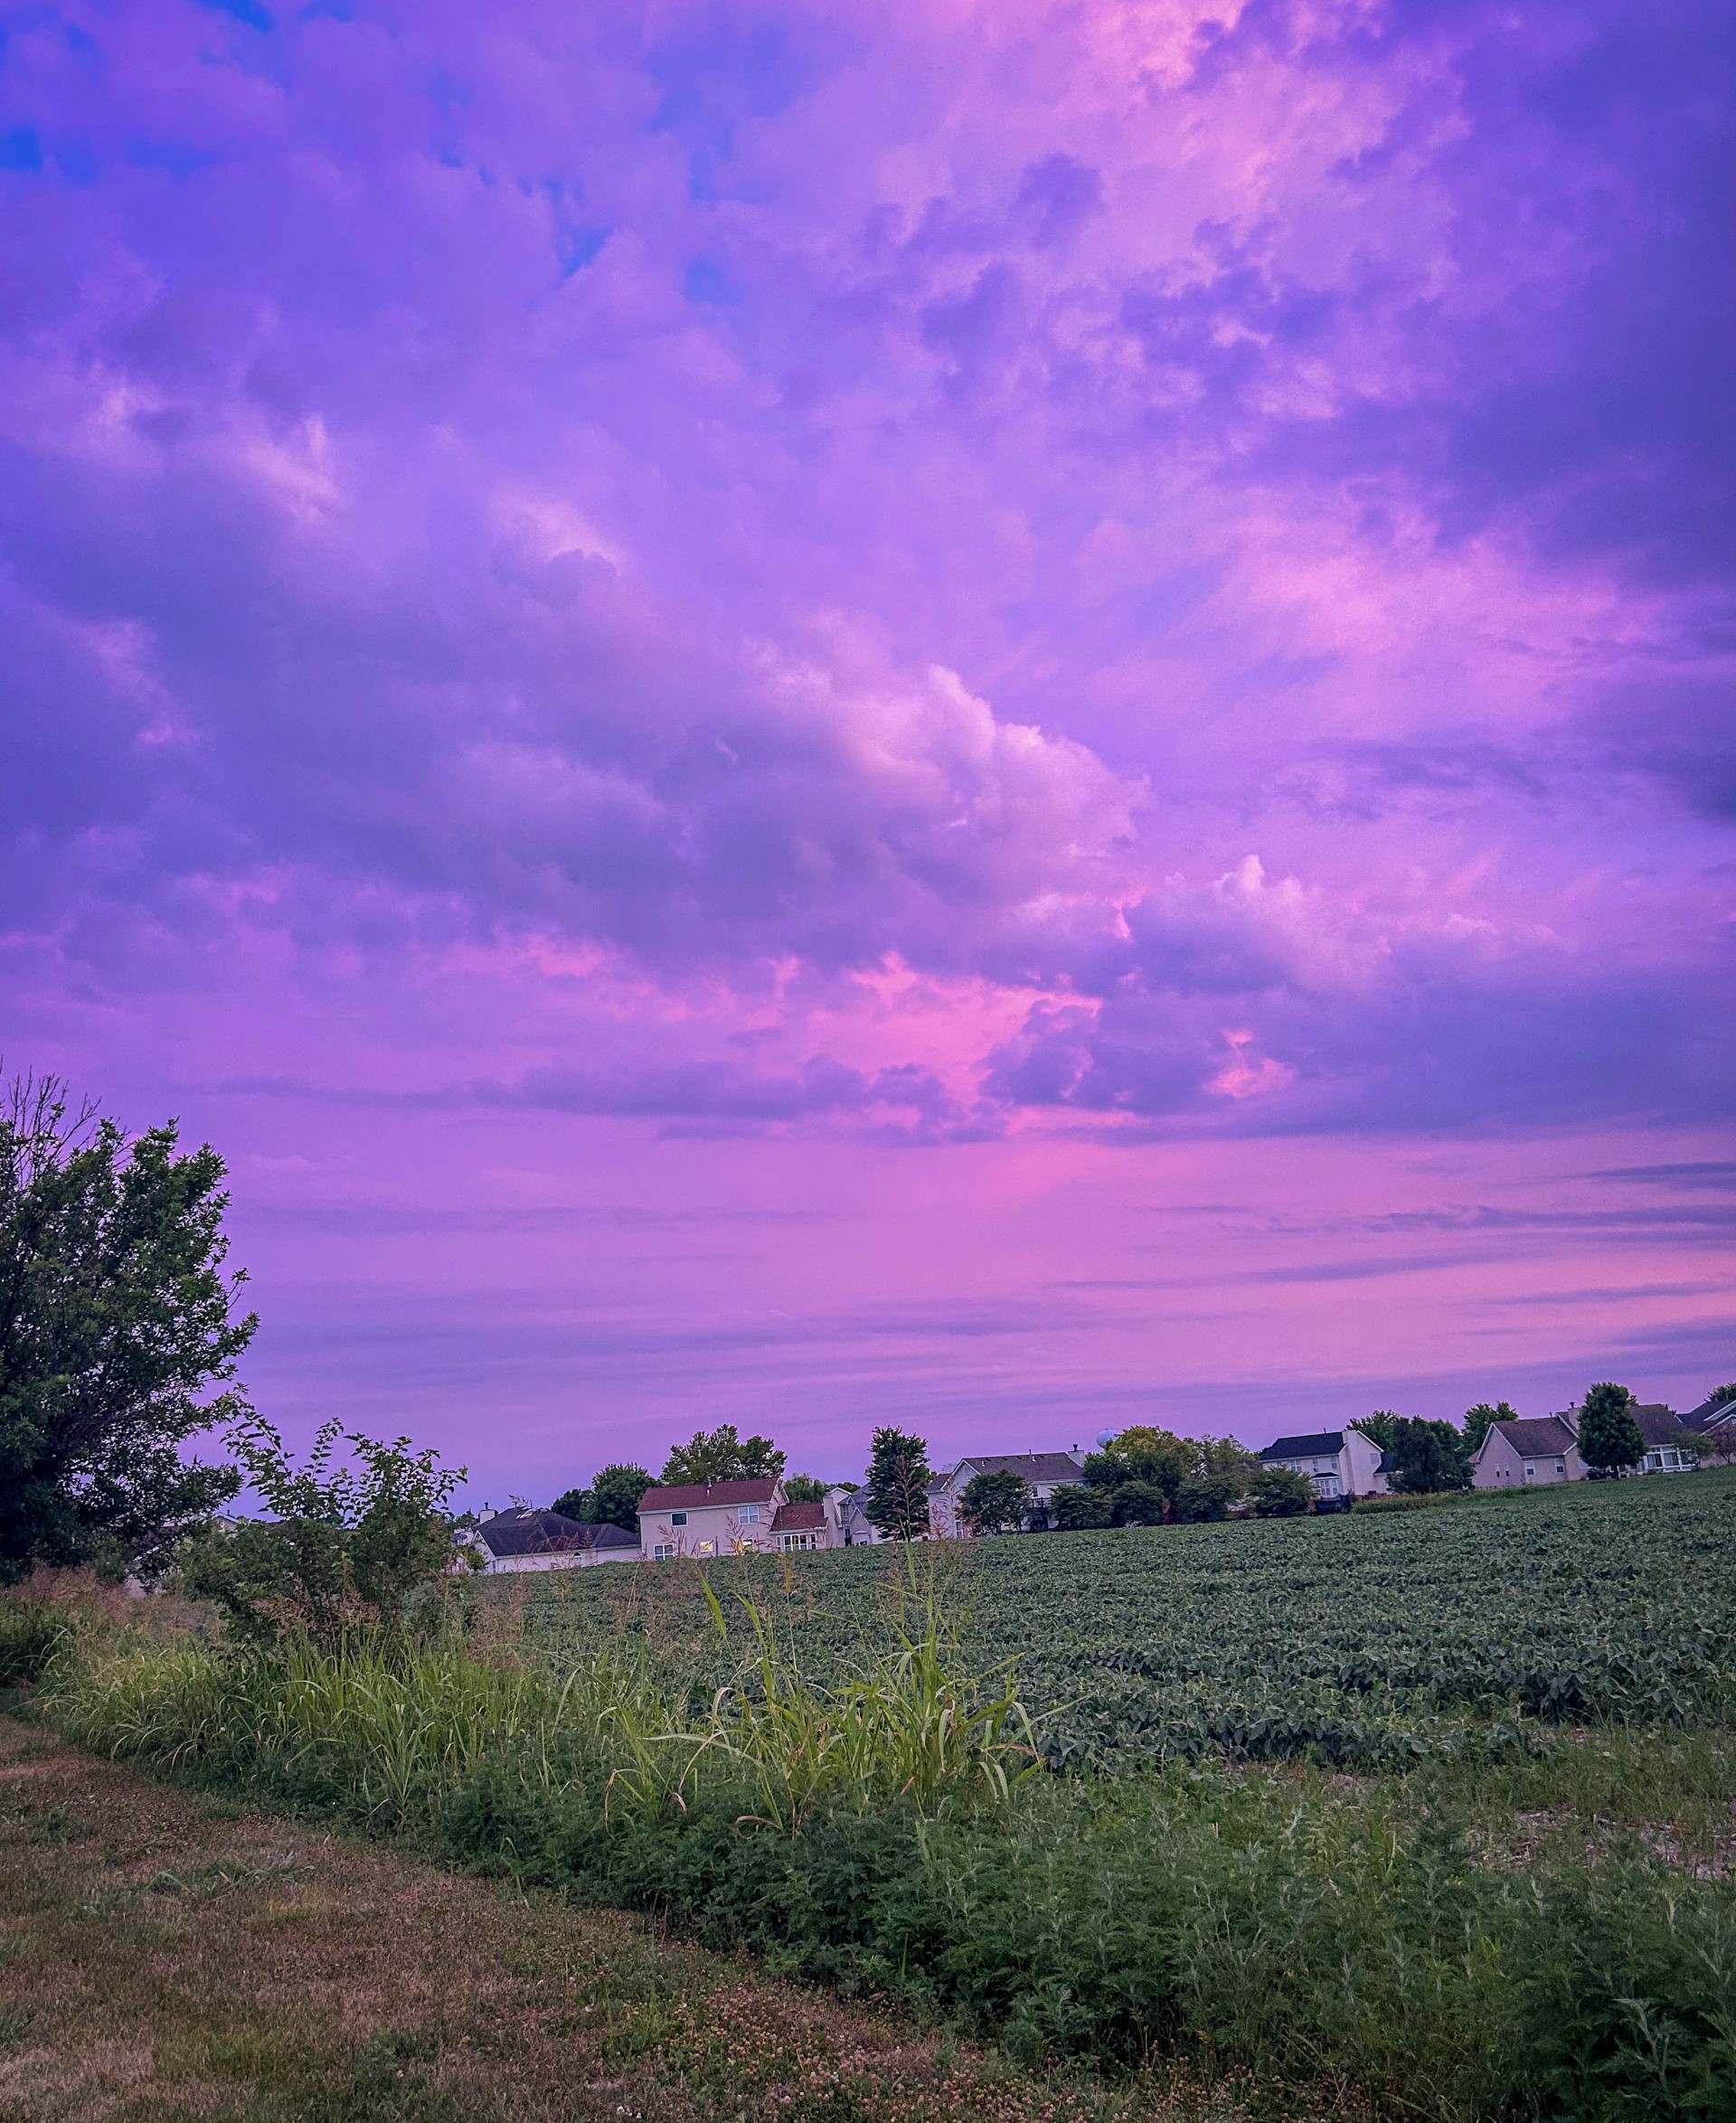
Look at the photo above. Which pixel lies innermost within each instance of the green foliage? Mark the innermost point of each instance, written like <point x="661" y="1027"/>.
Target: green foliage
<point x="1481" y="1418"/>
<point x="1134" y="1502"/>
<point x="116" y="1320"/>
<point x="349" y="1547"/>
<point x="573" y="1503"/>
<point x="882" y="1832"/>
<point x="804" y="1489"/>
<point x="1426" y="1456"/>
<point x="1204" y="1497"/>
<point x="1077" y="1508"/>
<point x="1279" y="1492"/>
<point x="997" y="1501"/>
<point x="898" y="1484"/>
<point x="1610" y="1438"/>
<point x="1722" y="1396"/>
<point x="613" y="1499"/>
<point x="1146" y="1456"/>
<point x="1380" y="1427"/>
<point x="720" y="1456"/>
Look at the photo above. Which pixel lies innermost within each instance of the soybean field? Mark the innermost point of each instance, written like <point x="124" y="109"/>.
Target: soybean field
<point x="1368" y="1640"/>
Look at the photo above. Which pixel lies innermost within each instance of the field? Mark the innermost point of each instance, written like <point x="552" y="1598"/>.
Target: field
<point x="1468" y="1628"/>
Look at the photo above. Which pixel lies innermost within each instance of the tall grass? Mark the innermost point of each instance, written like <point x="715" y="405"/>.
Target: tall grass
<point x="886" y="1832"/>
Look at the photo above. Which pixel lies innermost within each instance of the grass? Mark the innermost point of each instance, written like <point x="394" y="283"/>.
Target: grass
<point x="164" y="1956"/>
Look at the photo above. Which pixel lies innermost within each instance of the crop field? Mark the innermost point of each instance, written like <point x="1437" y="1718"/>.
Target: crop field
<point x="1368" y="1640"/>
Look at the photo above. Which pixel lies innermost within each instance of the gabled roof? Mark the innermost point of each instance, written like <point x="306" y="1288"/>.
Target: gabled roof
<point x="547" y="1532"/>
<point x="798" y="1518"/>
<point x="1310" y="1445"/>
<point x="1536" y="1437"/>
<point x="1709" y="1411"/>
<point x="1658" y="1424"/>
<point x="1034" y="1466"/>
<point x="697" y="1496"/>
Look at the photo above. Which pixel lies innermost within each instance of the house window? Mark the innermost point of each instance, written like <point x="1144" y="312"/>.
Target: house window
<point x="1531" y="1470"/>
<point x="1561" y="1466"/>
<point x="677" y="1518"/>
<point x="708" y="1547"/>
<point x="662" y="1551"/>
<point x="790" y="1543"/>
<point x="748" y="1513"/>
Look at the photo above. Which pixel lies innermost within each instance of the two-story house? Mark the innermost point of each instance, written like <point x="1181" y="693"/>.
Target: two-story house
<point x="1045" y="1471"/>
<point x="1337" y="1463"/>
<point x="703" y="1519"/>
<point x="1528" y="1451"/>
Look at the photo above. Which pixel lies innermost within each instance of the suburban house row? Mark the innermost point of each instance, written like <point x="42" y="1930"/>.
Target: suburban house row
<point x="702" y="1520"/>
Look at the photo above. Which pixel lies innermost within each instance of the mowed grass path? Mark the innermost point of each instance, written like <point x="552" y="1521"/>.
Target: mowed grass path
<point x="167" y="1956"/>
<point x="1363" y="1640"/>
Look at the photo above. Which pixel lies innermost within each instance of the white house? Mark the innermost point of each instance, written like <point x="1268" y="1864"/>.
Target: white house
<point x="737" y="1518"/>
<point x="1529" y="1451"/>
<point x="1045" y="1472"/>
<point x="523" y="1540"/>
<point x="1338" y="1463"/>
<point x="1671" y="1446"/>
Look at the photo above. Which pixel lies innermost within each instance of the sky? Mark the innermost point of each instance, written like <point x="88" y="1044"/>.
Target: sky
<point x="998" y="717"/>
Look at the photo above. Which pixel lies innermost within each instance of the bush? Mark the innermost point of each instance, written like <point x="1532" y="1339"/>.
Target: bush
<point x="1078" y="1509"/>
<point x="1202" y="1499"/>
<point x="51" y="1608"/>
<point x="1279" y="1492"/>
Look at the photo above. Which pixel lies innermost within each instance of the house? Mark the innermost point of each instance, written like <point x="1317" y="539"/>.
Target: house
<point x="1670" y="1446"/>
<point x="848" y="1511"/>
<point x="1338" y="1463"/>
<point x="1045" y="1472"/>
<point x="524" y="1540"/>
<point x="1529" y="1449"/>
<point x="710" y="1518"/>
<point x="1712" y="1428"/>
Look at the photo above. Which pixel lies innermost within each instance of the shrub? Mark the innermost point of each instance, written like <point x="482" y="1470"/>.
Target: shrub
<point x="1279" y="1492"/>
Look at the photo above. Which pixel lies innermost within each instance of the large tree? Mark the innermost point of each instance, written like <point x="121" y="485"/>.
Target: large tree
<point x="898" y="1484"/>
<point x="1426" y="1456"/>
<point x="611" y="1500"/>
<point x="1610" y="1438"/>
<point x="117" y="1322"/>
<point x="998" y="1501"/>
<point x="1481" y="1418"/>
<point x="720" y="1456"/>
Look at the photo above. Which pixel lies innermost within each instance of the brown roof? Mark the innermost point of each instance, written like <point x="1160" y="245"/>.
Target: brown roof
<point x="1537" y="1437"/>
<point x="798" y="1518"/>
<point x="548" y="1533"/>
<point x="1035" y="1466"/>
<point x="695" y="1495"/>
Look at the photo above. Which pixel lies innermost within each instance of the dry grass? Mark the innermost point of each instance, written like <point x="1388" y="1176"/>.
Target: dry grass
<point x="163" y="1956"/>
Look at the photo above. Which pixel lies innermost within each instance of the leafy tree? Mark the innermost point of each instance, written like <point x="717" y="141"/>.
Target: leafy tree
<point x="1207" y="1496"/>
<point x="1077" y="1508"/>
<point x="116" y="1320"/>
<point x="1719" y="1396"/>
<point x="1153" y="1457"/>
<point x="1227" y="1458"/>
<point x="804" y="1489"/>
<point x="347" y="1547"/>
<point x="1426" y="1456"/>
<point x="615" y="1493"/>
<point x="898" y="1484"/>
<point x="574" y="1504"/>
<point x="1380" y="1428"/>
<point x="996" y="1502"/>
<point x="1140" y="1503"/>
<point x="1481" y="1418"/>
<point x="1610" y="1438"/>
<point x="1279" y="1492"/>
<point x="720" y="1456"/>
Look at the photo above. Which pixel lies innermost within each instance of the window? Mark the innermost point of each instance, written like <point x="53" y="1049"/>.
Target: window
<point x="1561" y="1466"/>
<point x="790" y="1543"/>
<point x="677" y="1518"/>
<point x="1531" y="1470"/>
<point x="748" y="1513"/>
<point x="708" y="1547"/>
<point x="662" y="1551"/>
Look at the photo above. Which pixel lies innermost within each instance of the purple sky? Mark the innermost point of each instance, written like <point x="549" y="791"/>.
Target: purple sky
<point x="1000" y="717"/>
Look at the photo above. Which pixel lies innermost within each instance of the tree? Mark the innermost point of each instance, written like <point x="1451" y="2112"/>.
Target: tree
<point x="1205" y="1496"/>
<point x="1078" y="1509"/>
<point x="117" y="1319"/>
<point x="720" y="1456"/>
<point x="898" y="1484"/>
<point x="804" y="1489"/>
<point x="1426" y="1457"/>
<point x="996" y="1502"/>
<point x="1481" y="1418"/>
<point x="615" y="1493"/>
<point x="1140" y="1503"/>
<point x="347" y="1548"/>
<point x="574" y="1504"/>
<point x="1610" y="1438"/>
<point x="1155" y="1459"/>
<point x="1380" y="1428"/>
<point x="1280" y="1492"/>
